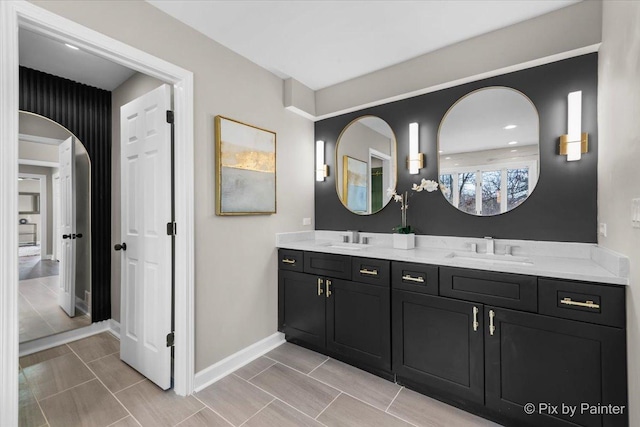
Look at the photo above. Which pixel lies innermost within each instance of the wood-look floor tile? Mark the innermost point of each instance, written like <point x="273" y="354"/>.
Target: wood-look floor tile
<point x="278" y="414"/>
<point x="297" y="357"/>
<point x="298" y="390"/>
<point x="254" y="368"/>
<point x="114" y="373"/>
<point x="125" y="422"/>
<point x="154" y="407"/>
<point x="95" y="347"/>
<point x="29" y="413"/>
<point x="346" y="411"/>
<point x="425" y="411"/>
<point x="43" y="356"/>
<point x="33" y="327"/>
<point x="373" y="390"/>
<point x="87" y="405"/>
<point x="205" y="418"/>
<point x="60" y="321"/>
<point x="55" y="375"/>
<point x="234" y="398"/>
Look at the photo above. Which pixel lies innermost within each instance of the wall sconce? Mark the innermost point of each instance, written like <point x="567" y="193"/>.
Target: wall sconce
<point x="575" y="142"/>
<point x="322" y="170"/>
<point x="415" y="161"/>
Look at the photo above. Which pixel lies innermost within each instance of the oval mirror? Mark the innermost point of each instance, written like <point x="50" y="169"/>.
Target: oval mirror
<point x="366" y="165"/>
<point x="488" y="151"/>
<point x="55" y="241"/>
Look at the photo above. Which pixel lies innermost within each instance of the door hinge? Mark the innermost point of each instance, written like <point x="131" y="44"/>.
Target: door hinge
<point x="169" y="116"/>
<point x="171" y="229"/>
<point x="170" y="339"/>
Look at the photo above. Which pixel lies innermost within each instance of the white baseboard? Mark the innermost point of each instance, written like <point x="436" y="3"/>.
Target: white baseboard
<point x="82" y="305"/>
<point x="50" y="341"/>
<point x="215" y="372"/>
<point x="115" y="328"/>
<point x="48" y="256"/>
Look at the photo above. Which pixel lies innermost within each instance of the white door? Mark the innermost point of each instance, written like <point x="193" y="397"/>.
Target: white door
<point x="67" y="230"/>
<point x="57" y="236"/>
<point x="146" y="260"/>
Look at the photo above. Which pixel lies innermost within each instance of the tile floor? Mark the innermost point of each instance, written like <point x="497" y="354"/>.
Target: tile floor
<point x="39" y="313"/>
<point x="84" y="383"/>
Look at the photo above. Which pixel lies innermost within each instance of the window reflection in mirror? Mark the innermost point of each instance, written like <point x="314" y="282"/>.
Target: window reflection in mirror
<point x="488" y="148"/>
<point x="366" y="165"/>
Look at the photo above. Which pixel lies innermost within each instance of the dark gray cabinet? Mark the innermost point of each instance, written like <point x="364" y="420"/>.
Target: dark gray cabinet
<point x="438" y="343"/>
<point x="345" y="319"/>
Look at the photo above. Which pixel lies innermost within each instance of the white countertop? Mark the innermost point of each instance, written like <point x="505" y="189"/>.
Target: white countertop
<point x="574" y="261"/>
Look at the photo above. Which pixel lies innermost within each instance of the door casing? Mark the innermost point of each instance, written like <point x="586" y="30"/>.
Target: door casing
<point x="20" y="13"/>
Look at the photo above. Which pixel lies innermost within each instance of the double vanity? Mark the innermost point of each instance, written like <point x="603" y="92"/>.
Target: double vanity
<point x="520" y="332"/>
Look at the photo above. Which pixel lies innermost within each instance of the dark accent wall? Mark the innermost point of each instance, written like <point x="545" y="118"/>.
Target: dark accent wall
<point x="563" y="206"/>
<point x="86" y="112"/>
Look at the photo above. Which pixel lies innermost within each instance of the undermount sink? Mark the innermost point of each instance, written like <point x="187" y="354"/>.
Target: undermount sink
<point x="348" y="246"/>
<point x="490" y="259"/>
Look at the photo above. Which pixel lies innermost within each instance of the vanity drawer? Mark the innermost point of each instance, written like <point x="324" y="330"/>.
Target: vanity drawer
<point x="601" y="304"/>
<point x="369" y="270"/>
<point x="499" y="289"/>
<point x="413" y="277"/>
<point x="289" y="259"/>
<point x="330" y="265"/>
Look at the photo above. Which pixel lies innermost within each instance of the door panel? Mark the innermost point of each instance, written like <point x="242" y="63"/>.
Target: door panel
<point x="146" y="306"/>
<point x="67" y="230"/>
<point x="302" y="307"/>
<point x="435" y="344"/>
<point x="538" y="359"/>
<point x="359" y="322"/>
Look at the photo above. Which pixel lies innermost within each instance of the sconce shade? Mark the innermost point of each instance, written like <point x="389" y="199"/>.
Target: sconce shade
<point x="322" y="170"/>
<point x="415" y="160"/>
<point x="575" y="142"/>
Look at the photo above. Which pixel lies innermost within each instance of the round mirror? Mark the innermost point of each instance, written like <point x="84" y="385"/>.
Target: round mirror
<point x="55" y="239"/>
<point x="488" y="151"/>
<point x="366" y="165"/>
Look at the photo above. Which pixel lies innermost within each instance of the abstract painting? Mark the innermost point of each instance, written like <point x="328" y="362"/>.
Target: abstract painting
<point x="355" y="184"/>
<point x="246" y="169"/>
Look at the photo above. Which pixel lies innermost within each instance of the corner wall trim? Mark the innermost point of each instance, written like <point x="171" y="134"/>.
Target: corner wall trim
<point x="217" y="371"/>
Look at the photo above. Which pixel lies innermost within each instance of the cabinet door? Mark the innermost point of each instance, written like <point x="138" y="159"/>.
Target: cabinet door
<point x="301" y="307"/>
<point x="359" y="323"/>
<point x="537" y="359"/>
<point x="437" y="345"/>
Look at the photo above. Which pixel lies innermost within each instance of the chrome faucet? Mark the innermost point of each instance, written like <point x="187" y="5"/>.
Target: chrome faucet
<point x="354" y="237"/>
<point x="491" y="246"/>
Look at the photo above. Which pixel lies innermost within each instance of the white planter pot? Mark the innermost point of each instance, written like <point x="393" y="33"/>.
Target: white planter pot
<point x="404" y="241"/>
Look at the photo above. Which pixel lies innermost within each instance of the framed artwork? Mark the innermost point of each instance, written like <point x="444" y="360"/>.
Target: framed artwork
<point x="246" y="168"/>
<point x="355" y="184"/>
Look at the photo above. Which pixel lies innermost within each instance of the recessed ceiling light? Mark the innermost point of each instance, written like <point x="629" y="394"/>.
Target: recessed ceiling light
<point x="447" y="158"/>
<point x="70" y="46"/>
<point x="513" y="142"/>
<point x="457" y="164"/>
<point x="507" y="127"/>
<point x="440" y="151"/>
<point x="513" y="151"/>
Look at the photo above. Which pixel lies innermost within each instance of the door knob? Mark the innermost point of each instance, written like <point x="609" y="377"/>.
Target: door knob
<point x="78" y="236"/>
<point x="66" y="236"/>
<point x="120" y="246"/>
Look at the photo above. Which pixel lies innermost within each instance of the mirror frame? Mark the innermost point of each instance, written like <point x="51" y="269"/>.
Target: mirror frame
<point x="439" y="139"/>
<point x="394" y="156"/>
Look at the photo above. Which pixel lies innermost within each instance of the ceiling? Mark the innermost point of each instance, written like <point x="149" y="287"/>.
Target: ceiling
<point x="322" y="43"/>
<point x="54" y="57"/>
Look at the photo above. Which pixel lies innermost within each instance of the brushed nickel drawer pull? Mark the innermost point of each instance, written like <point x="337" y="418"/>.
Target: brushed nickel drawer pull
<point x="320" y="290"/>
<point x="492" y="327"/>
<point x="409" y="278"/>
<point x="289" y="261"/>
<point x="588" y="304"/>
<point x="369" y="272"/>
<point x="328" y="288"/>
<point x="475" y="319"/>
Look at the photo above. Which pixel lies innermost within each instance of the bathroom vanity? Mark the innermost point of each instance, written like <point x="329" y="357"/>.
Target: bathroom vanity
<point x="488" y="333"/>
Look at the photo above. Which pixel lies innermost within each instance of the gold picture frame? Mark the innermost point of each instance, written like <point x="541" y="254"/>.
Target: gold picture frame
<point x="245" y="168"/>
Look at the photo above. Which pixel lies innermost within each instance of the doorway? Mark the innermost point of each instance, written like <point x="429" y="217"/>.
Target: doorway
<point x="13" y="15"/>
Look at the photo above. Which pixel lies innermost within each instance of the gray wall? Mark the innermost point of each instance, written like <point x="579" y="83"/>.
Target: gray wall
<point x="562" y="207"/>
<point x="618" y="172"/>
<point x="235" y="257"/>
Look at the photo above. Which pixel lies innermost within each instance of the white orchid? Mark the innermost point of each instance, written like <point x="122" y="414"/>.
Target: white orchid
<point x="425" y="184"/>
